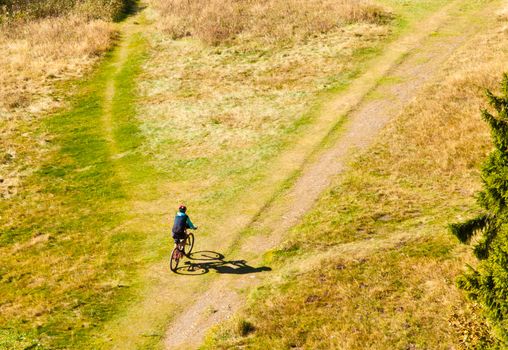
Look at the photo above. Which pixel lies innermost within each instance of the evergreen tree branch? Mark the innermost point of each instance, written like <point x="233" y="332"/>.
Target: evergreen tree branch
<point x="466" y="230"/>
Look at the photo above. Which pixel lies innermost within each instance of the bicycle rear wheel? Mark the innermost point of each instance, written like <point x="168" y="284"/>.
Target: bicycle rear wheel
<point x="189" y="244"/>
<point x="175" y="259"/>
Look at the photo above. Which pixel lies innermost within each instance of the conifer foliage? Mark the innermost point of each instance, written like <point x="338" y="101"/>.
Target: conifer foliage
<point x="488" y="282"/>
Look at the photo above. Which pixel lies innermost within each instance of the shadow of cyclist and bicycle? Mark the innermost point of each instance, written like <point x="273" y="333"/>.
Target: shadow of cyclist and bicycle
<point x="202" y="262"/>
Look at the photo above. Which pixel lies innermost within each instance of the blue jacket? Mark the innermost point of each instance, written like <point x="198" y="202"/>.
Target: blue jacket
<point x="182" y="222"/>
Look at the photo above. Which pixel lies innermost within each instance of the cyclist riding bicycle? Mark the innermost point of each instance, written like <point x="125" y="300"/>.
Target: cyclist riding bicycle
<point x="181" y="224"/>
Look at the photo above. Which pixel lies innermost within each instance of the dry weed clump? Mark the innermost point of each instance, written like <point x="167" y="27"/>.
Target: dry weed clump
<point x="218" y="21"/>
<point x="35" y="55"/>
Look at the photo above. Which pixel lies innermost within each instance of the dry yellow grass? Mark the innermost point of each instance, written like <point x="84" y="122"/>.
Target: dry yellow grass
<point x="37" y="53"/>
<point x="448" y="137"/>
<point x="388" y="280"/>
<point x="224" y="103"/>
<point x="26" y="10"/>
<point x="217" y="21"/>
<point x="35" y="56"/>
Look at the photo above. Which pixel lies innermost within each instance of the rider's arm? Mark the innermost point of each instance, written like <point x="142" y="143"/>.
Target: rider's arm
<point x="190" y="224"/>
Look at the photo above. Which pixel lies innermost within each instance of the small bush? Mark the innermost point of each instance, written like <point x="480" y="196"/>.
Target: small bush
<point x="245" y="327"/>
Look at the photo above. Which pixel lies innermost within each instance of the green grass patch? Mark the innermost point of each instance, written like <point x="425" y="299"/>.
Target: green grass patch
<point x="74" y="273"/>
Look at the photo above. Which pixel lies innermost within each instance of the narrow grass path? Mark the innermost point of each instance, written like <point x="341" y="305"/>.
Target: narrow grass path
<point x="119" y="121"/>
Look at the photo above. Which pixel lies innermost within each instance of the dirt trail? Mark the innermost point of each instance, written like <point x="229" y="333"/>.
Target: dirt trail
<point x="408" y="63"/>
<point x="216" y="296"/>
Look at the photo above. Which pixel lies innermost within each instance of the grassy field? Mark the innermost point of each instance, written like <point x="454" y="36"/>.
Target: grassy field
<point x="76" y="237"/>
<point x="57" y="189"/>
<point x="373" y="266"/>
<point x="63" y="265"/>
<point x="233" y="107"/>
<point x="44" y="43"/>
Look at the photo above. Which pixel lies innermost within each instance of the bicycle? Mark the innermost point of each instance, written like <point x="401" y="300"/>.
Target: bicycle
<point x="182" y="248"/>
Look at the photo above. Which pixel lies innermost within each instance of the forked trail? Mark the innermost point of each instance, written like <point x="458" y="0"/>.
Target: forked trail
<point x="190" y="304"/>
<point x="367" y="106"/>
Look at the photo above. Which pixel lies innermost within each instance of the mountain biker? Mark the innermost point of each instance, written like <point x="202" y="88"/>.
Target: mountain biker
<point x="181" y="224"/>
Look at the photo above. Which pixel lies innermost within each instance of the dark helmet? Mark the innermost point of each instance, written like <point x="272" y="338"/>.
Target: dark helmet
<point x="182" y="208"/>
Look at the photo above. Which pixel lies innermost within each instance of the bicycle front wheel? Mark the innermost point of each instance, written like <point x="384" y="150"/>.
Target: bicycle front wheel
<point x="189" y="244"/>
<point x="175" y="259"/>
